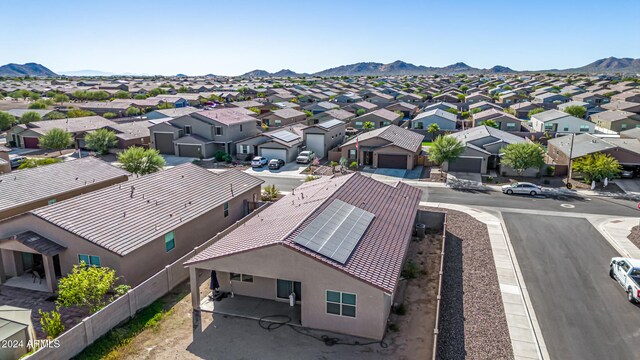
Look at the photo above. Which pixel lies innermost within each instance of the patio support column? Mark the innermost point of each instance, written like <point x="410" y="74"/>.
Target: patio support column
<point x="49" y="272"/>
<point x="196" y="315"/>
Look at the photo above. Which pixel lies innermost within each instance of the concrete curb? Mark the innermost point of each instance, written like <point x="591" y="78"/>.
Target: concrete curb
<point x="616" y="230"/>
<point x="526" y="337"/>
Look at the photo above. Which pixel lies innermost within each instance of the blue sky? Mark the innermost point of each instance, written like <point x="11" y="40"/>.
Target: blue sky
<point x="197" y="37"/>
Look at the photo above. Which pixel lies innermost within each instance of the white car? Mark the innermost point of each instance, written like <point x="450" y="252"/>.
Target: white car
<point x="305" y="157"/>
<point x="627" y="272"/>
<point x="522" y="188"/>
<point x="259" y="161"/>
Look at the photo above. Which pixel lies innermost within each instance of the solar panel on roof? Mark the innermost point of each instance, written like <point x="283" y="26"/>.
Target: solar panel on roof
<point x="330" y="123"/>
<point x="336" y="231"/>
<point x="285" y="136"/>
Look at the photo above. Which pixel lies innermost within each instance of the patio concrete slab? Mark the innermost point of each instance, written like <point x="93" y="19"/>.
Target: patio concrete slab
<point x="252" y="308"/>
<point x="630" y="186"/>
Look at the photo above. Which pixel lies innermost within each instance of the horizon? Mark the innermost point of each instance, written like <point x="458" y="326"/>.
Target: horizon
<point x="245" y="38"/>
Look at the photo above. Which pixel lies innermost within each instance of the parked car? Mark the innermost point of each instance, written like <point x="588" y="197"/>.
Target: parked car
<point x="627" y="272"/>
<point x="275" y="164"/>
<point x="627" y="174"/>
<point x="259" y="161"/>
<point x="305" y="157"/>
<point x="16" y="161"/>
<point x="522" y="188"/>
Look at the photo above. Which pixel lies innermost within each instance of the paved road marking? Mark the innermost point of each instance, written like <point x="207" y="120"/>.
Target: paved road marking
<point x="568" y="206"/>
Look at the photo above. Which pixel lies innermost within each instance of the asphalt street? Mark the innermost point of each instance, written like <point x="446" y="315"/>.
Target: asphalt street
<point x="582" y="312"/>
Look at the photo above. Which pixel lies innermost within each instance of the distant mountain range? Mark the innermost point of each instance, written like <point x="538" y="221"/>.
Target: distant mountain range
<point x="28" y="69"/>
<point x="608" y="65"/>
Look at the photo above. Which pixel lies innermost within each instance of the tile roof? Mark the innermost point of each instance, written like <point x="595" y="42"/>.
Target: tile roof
<point x="288" y="113"/>
<point x="25" y="186"/>
<point x="437" y="112"/>
<point x="37" y="242"/>
<point x="403" y="138"/>
<point x="378" y="257"/>
<point x="73" y="125"/>
<point x="229" y="116"/>
<point x="483" y="131"/>
<point x="161" y="201"/>
<point x="551" y="115"/>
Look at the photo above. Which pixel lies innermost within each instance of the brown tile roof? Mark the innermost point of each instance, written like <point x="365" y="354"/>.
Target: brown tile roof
<point x="37" y="242"/>
<point x="230" y="116"/>
<point x="400" y="137"/>
<point x="378" y="257"/>
<point x="161" y="201"/>
<point x="73" y="125"/>
<point x="25" y="186"/>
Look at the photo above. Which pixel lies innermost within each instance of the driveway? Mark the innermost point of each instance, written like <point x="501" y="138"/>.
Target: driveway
<point x="629" y="186"/>
<point x="582" y="312"/>
<point x="291" y="169"/>
<point x="172" y="160"/>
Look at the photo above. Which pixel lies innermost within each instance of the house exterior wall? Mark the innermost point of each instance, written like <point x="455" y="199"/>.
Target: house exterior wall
<point x="332" y="137"/>
<point x="617" y="126"/>
<point x="566" y="124"/>
<point x="279" y="262"/>
<point x="141" y="263"/>
<point x="292" y="152"/>
<point x="443" y="124"/>
<point x="375" y="119"/>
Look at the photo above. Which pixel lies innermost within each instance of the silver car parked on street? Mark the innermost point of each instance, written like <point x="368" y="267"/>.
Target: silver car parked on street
<point x="522" y="188"/>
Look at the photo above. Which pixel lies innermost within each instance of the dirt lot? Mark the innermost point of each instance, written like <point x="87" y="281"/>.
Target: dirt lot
<point x="226" y="337"/>
<point x="13" y="104"/>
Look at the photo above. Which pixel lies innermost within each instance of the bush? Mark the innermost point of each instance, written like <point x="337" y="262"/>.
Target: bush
<point x="310" y="178"/>
<point x="410" y="270"/>
<point x="219" y="155"/>
<point x="400" y="309"/>
<point x="51" y="323"/>
<point x="109" y="115"/>
<point x="227" y="158"/>
<point x="551" y="170"/>
<point x="353" y="165"/>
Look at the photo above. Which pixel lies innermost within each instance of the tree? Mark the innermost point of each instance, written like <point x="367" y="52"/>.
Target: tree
<point x="445" y="148"/>
<point x="475" y="110"/>
<point x="76" y="113"/>
<point x="308" y="113"/>
<point x="576" y="110"/>
<point x="452" y="110"/>
<point x="51" y="323"/>
<point x="29" y="116"/>
<point x="433" y="128"/>
<point x="101" y="140"/>
<point x="38" y="105"/>
<point x="60" y="98"/>
<point x="165" y="105"/>
<point x="522" y="156"/>
<point x="534" y="111"/>
<point x="132" y="111"/>
<point x="597" y="167"/>
<point x="6" y="120"/>
<point x="270" y="193"/>
<point x="86" y="287"/>
<point x="490" y="123"/>
<point x="121" y="94"/>
<point x="109" y="115"/>
<point x="368" y="125"/>
<point x="56" y="115"/>
<point x="255" y="110"/>
<point x="56" y="139"/>
<point x="140" y="97"/>
<point x="32" y="162"/>
<point x="461" y="97"/>
<point x="361" y="112"/>
<point x="34" y="96"/>
<point x="141" y="161"/>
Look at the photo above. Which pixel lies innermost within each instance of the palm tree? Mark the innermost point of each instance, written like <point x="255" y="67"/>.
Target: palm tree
<point x="445" y="148"/>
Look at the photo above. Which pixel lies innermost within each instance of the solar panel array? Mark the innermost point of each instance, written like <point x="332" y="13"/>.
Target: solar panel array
<point x="285" y="136"/>
<point x="330" y="123"/>
<point x="336" y="231"/>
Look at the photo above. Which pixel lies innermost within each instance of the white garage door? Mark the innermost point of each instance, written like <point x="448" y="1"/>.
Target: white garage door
<point x="274" y="153"/>
<point x="315" y="143"/>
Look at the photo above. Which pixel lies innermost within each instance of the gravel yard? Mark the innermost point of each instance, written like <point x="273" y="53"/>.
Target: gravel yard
<point x="472" y="320"/>
<point x="634" y="236"/>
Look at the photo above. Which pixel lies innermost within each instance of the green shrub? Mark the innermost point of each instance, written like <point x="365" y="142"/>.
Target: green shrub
<point x="219" y="155"/>
<point x="51" y="323"/>
<point x="410" y="270"/>
<point x="353" y="165"/>
<point x="551" y="170"/>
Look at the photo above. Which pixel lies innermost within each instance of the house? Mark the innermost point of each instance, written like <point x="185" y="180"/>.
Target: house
<point x="136" y="228"/>
<point x="347" y="98"/>
<point x="591" y="98"/>
<point x="386" y="147"/>
<point x="5" y="161"/>
<point x="449" y="98"/>
<point x="317" y="108"/>
<point x="101" y="107"/>
<point x="549" y="98"/>
<point x="379" y="118"/>
<point x="633" y="107"/>
<point x="29" y="189"/>
<point x="482" y="149"/>
<point x="347" y="289"/>
<point x="324" y="136"/>
<point x="476" y="98"/>
<point x="133" y="133"/>
<point x="340" y="114"/>
<point x="27" y="136"/>
<point x="591" y="108"/>
<point x="363" y="105"/>
<point x="282" y="117"/>
<point x="17" y="113"/>
<point x="503" y="120"/>
<point x="509" y="97"/>
<point x="442" y="106"/>
<point x="378" y="98"/>
<point x="522" y="109"/>
<point x="408" y="110"/>
<point x="625" y="150"/>
<point x="284" y="143"/>
<point x="616" y="120"/>
<point x="560" y="122"/>
<point x="203" y="133"/>
<point x="170" y="113"/>
<point x="444" y="119"/>
<point x="629" y="96"/>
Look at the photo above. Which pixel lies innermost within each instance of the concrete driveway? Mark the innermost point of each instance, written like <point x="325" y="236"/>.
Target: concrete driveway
<point x="582" y="312"/>
<point x="629" y="186"/>
<point x="172" y="160"/>
<point x="291" y="169"/>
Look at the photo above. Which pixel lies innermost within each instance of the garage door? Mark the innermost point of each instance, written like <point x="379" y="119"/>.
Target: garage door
<point x="315" y="143"/>
<point x="392" y="161"/>
<point x="189" y="150"/>
<point x="30" y="142"/>
<point x="164" y="143"/>
<point x="274" y="153"/>
<point x="472" y="165"/>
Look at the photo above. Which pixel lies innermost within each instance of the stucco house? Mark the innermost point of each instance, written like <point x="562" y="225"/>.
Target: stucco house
<point x="379" y="118"/>
<point x="387" y="147"/>
<point x="444" y="119"/>
<point x="135" y="228"/>
<point x="297" y="247"/>
<point x="560" y="122"/>
<point x="503" y="120"/>
<point x="282" y="117"/>
<point x="616" y="120"/>
<point x="27" y="136"/>
<point x="283" y="143"/>
<point x="324" y="136"/>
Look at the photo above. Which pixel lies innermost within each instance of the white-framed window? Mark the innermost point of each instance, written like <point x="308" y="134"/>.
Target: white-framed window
<point x="511" y="126"/>
<point x="584" y="128"/>
<point x="218" y="130"/>
<point x="277" y="122"/>
<point x="352" y="153"/>
<point x="418" y="125"/>
<point x="358" y="123"/>
<point x="241" y="277"/>
<point x="90" y="260"/>
<point x="623" y="126"/>
<point x="341" y="303"/>
<point x="244" y="149"/>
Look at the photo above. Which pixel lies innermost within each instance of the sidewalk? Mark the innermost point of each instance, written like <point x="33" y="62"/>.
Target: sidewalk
<point x="616" y="230"/>
<point x="525" y="333"/>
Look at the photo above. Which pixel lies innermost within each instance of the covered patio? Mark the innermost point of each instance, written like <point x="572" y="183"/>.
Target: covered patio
<point x="252" y="308"/>
<point x="30" y="261"/>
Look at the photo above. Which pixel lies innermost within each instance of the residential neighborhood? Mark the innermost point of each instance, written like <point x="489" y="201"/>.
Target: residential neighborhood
<point x="197" y="207"/>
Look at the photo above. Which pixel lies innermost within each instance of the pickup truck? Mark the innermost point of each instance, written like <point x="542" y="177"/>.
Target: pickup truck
<point x="627" y="272"/>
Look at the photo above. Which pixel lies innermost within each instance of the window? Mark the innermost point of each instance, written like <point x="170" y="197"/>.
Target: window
<point x="584" y="128"/>
<point x="90" y="260"/>
<point x="244" y="149"/>
<point x="240" y="127"/>
<point x="226" y="209"/>
<point x="352" y="153"/>
<point x="511" y="126"/>
<point x="566" y="128"/>
<point x="169" y="241"/>
<point x="187" y="129"/>
<point x="418" y="125"/>
<point x="278" y="122"/>
<point x="358" y="123"/>
<point x="548" y="126"/>
<point x="341" y="303"/>
<point x="623" y="126"/>
<point x="241" y="277"/>
<point x="284" y="288"/>
<point x="218" y="130"/>
<point x="51" y="201"/>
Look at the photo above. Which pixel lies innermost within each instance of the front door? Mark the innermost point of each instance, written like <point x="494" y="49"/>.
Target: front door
<point x="284" y="288"/>
<point x="368" y="157"/>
